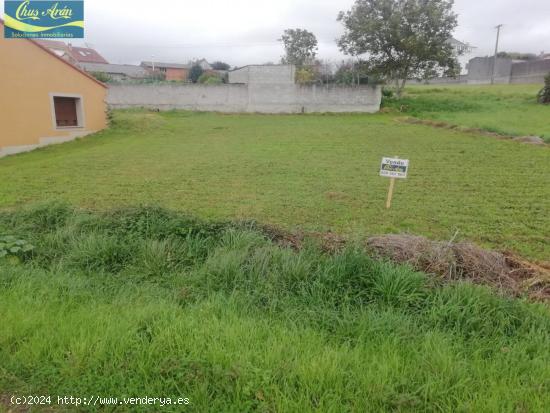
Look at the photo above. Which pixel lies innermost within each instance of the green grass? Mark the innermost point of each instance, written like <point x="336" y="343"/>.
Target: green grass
<point x="505" y="109"/>
<point x="145" y="302"/>
<point x="313" y="172"/>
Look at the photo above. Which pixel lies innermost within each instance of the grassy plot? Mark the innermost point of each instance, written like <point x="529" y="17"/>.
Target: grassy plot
<point x="146" y="302"/>
<point x="505" y="109"/>
<point x="314" y="172"/>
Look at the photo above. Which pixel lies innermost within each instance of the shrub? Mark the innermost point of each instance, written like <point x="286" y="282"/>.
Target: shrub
<point x="544" y="94"/>
<point x="305" y="75"/>
<point x="101" y="76"/>
<point x="210" y="79"/>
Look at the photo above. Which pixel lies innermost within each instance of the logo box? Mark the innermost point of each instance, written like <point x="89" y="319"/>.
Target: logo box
<point x="43" y="19"/>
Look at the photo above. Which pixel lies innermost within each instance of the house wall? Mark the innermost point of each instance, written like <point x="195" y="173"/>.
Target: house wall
<point x="263" y="98"/>
<point x="176" y="74"/>
<point x="28" y="75"/>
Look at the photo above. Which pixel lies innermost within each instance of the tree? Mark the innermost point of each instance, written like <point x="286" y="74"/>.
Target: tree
<point x="300" y="47"/>
<point x="220" y="65"/>
<point x="544" y="94"/>
<point x="402" y="39"/>
<point x="351" y="73"/>
<point x="195" y="72"/>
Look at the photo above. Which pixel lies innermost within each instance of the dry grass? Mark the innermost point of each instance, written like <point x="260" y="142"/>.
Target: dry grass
<point x="462" y="260"/>
<point x="451" y="261"/>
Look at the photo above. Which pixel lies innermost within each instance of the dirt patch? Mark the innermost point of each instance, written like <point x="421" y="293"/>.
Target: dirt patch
<point x="330" y="242"/>
<point x="336" y="196"/>
<point x="465" y="261"/>
<point x="533" y="140"/>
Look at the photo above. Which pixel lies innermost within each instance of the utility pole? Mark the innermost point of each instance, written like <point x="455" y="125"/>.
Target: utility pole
<point x="495" y="57"/>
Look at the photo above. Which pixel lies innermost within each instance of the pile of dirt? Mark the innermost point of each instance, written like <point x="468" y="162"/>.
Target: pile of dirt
<point x="457" y="261"/>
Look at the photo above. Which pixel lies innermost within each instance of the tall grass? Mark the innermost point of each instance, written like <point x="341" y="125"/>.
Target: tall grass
<point x="146" y="302"/>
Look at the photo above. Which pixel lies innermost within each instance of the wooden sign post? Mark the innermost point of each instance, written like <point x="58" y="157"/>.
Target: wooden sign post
<point x="393" y="168"/>
<point x="390" y="193"/>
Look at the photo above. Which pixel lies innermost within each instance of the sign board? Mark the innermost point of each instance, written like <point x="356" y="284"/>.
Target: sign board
<point x="45" y="19"/>
<point x="394" y="168"/>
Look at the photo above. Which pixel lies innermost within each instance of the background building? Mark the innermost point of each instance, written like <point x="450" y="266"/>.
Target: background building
<point x="45" y="99"/>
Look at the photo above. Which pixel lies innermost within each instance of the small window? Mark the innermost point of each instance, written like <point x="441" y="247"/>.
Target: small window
<point x="66" y="111"/>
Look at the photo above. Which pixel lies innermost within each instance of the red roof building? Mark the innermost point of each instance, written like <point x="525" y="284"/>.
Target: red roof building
<point x="72" y="53"/>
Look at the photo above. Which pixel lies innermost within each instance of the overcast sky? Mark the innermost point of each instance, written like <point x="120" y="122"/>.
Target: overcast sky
<point x="245" y="31"/>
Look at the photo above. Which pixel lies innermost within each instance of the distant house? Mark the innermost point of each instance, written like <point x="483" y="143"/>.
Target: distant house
<point x="460" y="47"/>
<point x="47" y="99"/>
<point x="171" y="71"/>
<point x="203" y="64"/>
<point x="178" y="71"/>
<point x="117" y="72"/>
<point x="75" y="55"/>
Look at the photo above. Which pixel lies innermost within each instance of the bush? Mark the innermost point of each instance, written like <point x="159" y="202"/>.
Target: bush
<point x="544" y="94"/>
<point x="305" y="75"/>
<point x="101" y="76"/>
<point x="210" y="79"/>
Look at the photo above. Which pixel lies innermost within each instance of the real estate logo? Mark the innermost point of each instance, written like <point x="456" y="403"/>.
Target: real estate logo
<point x="43" y="19"/>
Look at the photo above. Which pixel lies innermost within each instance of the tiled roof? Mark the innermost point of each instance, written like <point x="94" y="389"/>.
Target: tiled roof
<point x="86" y="55"/>
<point x="136" y="72"/>
<point x="79" y="54"/>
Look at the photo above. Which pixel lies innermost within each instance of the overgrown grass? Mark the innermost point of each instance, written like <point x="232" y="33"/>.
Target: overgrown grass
<point x="313" y="172"/>
<point x="505" y="109"/>
<point x="146" y="302"/>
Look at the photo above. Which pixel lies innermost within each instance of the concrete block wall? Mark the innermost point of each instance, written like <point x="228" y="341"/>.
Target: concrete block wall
<point x="234" y="98"/>
<point x="480" y="70"/>
<point x="218" y="98"/>
<point x="532" y="71"/>
<point x="272" y="74"/>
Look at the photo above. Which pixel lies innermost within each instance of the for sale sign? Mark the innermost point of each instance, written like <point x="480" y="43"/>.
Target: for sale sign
<point x="394" y="167"/>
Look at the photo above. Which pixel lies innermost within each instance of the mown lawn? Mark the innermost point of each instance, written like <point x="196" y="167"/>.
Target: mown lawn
<point x="146" y="303"/>
<point x="505" y="109"/>
<point x="311" y="172"/>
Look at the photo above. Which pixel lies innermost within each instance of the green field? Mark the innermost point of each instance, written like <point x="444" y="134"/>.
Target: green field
<point x="313" y="172"/>
<point x="143" y="302"/>
<point x="152" y="275"/>
<point x="505" y="109"/>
